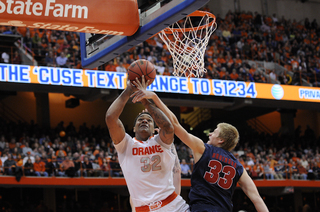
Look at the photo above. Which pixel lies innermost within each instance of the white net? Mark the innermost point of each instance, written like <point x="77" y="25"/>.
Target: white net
<point x="187" y="41"/>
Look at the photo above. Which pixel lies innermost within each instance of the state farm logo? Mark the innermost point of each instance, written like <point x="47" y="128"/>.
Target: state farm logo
<point x="48" y="8"/>
<point x="65" y="27"/>
<point x="13" y="23"/>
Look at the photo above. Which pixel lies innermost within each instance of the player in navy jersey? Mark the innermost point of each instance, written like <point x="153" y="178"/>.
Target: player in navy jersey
<point x="216" y="171"/>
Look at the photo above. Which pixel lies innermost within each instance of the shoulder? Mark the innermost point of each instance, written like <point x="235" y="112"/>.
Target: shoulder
<point x="157" y="139"/>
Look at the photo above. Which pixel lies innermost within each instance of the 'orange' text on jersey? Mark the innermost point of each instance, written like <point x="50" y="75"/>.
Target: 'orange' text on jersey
<point x="146" y="150"/>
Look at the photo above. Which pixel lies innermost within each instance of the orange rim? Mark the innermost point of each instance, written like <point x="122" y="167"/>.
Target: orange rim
<point x="195" y="13"/>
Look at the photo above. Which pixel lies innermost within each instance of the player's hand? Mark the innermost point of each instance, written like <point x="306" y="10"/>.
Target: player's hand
<point x="156" y="130"/>
<point x="131" y="86"/>
<point x="141" y="92"/>
<point x="144" y="110"/>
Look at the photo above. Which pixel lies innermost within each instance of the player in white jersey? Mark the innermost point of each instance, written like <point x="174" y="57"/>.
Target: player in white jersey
<point x="146" y="161"/>
<point x="176" y="172"/>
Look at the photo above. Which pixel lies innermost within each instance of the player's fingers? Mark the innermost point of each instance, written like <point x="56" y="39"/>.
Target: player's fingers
<point x="133" y="94"/>
<point x="138" y="82"/>
<point x="137" y="97"/>
<point x="135" y="84"/>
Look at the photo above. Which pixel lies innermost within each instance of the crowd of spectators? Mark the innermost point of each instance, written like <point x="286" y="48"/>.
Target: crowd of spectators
<point x="239" y="37"/>
<point x="29" y="150"/>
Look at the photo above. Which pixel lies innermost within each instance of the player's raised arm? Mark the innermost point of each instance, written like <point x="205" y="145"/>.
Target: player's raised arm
<point x="115" y="126"/>
<point x="166" y="131"/>
<point x="250" y="189"/>
<point x="190" y="140"/>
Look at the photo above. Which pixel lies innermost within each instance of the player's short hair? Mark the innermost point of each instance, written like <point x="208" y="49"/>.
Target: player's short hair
<point x="230" y="135"/>
<point x="140" y="114"/>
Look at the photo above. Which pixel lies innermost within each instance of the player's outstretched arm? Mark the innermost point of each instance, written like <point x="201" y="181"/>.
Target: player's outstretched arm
<point x="250" y="189"/>
<point x="191" y="141"/>
<point x="166" y="131"/>
<point x="115" y="126"/>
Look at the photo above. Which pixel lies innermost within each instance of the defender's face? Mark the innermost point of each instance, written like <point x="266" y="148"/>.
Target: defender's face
<point x="144" y="123"/>
<point x="214" y="137"/>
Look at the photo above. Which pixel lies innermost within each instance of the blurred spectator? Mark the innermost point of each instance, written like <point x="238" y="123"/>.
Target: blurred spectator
<point x="115" y="166"/>
<point x="36" y="40"/>
<point x="27" y="40"/>
<point x="61" y="153"/>
<point x="272" y="75"/>
<point x="39" y="167"/>
<point x="120" y="68"/>
<point x="5" y="57"/>
<point x="303" y="172"/>
<point x="279" y="172"/>
<point x="9" y="165"/>
<point x="52" y="165"/>
<point x="26" y="150"/>
<point x="28" y="168"/>
<point x="294" y="171"/>
<point x="67" y="168"/>
<point x="106" y="169"/>
<point x="16" y="58"/>
<point x="166" y="72"/>
<point x="160" y="67"/>
<point x="62" y="61"/>
<point x="268" y="171"/>
<point x="71" y="129"/>
<point x="110" y="66"/>
<point x="234" y="75"/>
<point x="183" y="153"/>
<point x="185" y="169"/>
<point x="49" y="59"/>
<point x="87" y="167"/>
<point x="77" y="164"/>
<point x="257" y="77"/>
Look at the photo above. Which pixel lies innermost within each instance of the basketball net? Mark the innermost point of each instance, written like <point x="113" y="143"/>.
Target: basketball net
<point x="187" y="41"/>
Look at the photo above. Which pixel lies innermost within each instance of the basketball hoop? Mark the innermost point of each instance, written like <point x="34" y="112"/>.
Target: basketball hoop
<point x="187" y="40"/>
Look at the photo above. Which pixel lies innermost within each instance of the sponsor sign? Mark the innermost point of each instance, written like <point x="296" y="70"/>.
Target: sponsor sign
<point x="114" y="17"/>
<point x="169" y="84"/>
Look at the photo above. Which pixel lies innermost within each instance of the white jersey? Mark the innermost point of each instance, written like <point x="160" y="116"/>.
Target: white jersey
<point x="147" y="167"/>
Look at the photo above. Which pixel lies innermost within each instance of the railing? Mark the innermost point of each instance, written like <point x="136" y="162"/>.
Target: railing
<point x="287" y="173"/>
<point x="259" y="126"/>
<point x="201" y="114"/>
<point x="54" y="172"/>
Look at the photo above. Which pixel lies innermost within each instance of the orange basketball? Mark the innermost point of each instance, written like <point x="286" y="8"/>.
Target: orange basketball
<point x="62" y="133"/>
<point x="142" y="67"/>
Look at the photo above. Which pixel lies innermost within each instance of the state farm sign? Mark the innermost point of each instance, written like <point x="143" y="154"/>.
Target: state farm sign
<point x="118" y="17"/>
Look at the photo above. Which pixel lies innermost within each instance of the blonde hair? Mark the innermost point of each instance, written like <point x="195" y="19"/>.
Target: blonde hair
<point x="230" y="135"/>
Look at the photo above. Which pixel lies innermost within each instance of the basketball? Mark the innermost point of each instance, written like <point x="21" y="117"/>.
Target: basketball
<point x="142" y="67"/>
<point x="62" y="133"/>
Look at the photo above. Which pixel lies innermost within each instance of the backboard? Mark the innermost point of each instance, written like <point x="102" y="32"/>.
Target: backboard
<point x="98" y="49"/>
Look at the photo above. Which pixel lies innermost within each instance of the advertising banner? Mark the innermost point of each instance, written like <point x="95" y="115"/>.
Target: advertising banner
<point x="114" y="17"/>
<point x="169" y="84"/>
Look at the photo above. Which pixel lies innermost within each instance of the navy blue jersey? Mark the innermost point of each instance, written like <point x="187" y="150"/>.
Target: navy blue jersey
<point x="214" y="179"/>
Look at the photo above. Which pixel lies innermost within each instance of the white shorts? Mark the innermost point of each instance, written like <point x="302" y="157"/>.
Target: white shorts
<point x="176" y="205"/>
